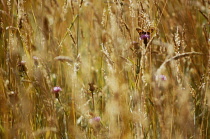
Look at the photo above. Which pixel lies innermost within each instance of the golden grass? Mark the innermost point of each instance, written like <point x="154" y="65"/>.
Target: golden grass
<point x="114" y="85"/>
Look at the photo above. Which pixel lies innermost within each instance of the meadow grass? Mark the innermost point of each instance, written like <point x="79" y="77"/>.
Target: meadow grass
<point x="104" y="69"/>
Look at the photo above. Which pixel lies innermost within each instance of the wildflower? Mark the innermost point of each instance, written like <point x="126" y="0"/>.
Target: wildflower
<point x="22" y="68"/>
<point x="145" y="36"/>
<point x="95" y="120"/>
<point x="23" y="62"/>
<point x="35" y="58"/>
<point x="56" y="91"/>
<point x="161" y="77"/>
<point x="95" y="123"/>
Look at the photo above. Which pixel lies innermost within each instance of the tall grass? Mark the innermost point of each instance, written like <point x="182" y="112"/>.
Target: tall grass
<point x="79" y="69"/>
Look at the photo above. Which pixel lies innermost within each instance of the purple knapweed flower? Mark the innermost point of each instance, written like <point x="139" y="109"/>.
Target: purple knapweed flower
<point x="22" y="67"/>
<point x="95" y="123"/>
<point x="36" y="60"/>
<point x="56" y="89"/>
<point x="161" y="77"/>
<point x="95" y="120"/>
<point x="145" y="36"/>
<point x="23" y="62"/>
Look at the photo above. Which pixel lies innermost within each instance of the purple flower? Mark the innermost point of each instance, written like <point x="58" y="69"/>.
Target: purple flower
<point x="22" y="67"/>
<point x="56" y="91"/>
<point x="97" y="119"/>
<point x="94" y="120"/>
<point x="161" y="77"/>
<point x="145" y="36"/>
<point x="35" y="58"/>
<point x="23" y="62"/>
<point x="95" y="123"/>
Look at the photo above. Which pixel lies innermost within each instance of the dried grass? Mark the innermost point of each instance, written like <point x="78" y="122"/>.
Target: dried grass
<point x="115" y="82"/>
